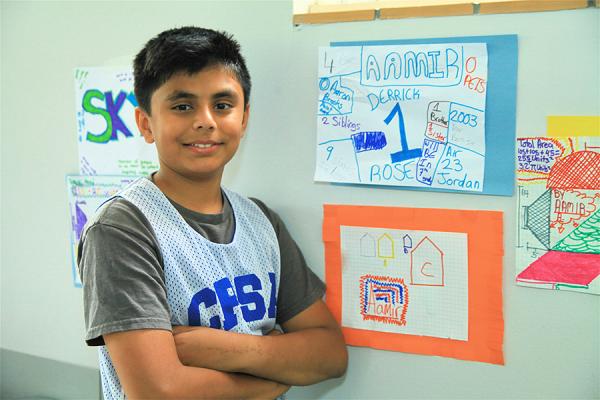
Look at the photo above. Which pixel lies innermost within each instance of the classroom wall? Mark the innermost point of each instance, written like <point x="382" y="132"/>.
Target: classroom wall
<point x="552" y="346"/>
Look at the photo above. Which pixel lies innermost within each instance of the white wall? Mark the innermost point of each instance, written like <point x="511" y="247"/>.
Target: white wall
<point x="552" y="344"/>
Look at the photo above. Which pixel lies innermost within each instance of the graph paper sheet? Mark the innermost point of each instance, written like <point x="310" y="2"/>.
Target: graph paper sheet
<point x="405" y="281"/>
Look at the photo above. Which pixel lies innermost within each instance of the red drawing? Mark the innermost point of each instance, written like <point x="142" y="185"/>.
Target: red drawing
<point x="560" y="267"/>
<point x="427" y="264"/>
<point x="383" y="299"/>
<point x="569" y="206"/>
<point x="473" y="82"/>
<point x="580" y="170"/>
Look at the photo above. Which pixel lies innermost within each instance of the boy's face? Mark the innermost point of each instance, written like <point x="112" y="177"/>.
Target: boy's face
<point x="197" y="122"/>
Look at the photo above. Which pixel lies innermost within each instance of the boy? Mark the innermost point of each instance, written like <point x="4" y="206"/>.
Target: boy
<point x="174" y="255"/>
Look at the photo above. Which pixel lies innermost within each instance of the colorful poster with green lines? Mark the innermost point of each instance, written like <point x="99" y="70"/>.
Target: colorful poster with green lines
<point x="558" y="237"/>
<point x="107" y="136"/>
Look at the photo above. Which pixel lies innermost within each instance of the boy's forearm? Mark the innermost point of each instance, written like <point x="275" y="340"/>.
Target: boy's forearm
<point x="223" y="385"/>
<point x="148" y="368"/>
<point x="311" y="351"/>
<point x="299" y="358"/>
<point x="296" y="358"/>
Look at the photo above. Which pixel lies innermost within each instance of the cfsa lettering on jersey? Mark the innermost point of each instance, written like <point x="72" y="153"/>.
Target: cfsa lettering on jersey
<point x="243" y="293"/>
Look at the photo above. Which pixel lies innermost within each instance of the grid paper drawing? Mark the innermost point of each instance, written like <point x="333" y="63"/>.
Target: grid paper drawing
<point x="402" y="115"/>
<point x="559" y="213"/>
<point x="423" y="291"/>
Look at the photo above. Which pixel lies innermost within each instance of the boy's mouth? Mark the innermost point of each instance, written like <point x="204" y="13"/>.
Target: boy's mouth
<point x="203" y="147"/>
<point x="204" y="144"/>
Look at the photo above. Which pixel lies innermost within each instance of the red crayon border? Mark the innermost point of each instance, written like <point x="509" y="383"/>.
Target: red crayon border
<point x="388" y="320"/>
<point x="485" y="252"/>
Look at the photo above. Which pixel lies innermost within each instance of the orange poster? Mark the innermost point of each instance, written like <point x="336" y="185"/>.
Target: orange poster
<point x="426" y="281"/>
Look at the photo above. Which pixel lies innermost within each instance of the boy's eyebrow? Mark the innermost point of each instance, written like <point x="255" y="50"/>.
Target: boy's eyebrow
<point x="182" y="94"/>
<point x="179" y="95"/>
<point x="225" y="93"/>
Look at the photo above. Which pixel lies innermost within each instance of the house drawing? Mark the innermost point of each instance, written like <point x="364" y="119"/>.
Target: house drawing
<point x="367" y="245"/>
<point x="385" y="248"/>
<point x="427" y="264"/>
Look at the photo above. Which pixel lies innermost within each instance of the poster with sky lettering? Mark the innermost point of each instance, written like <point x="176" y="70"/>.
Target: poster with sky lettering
<point x="85" y="195"/>
<point x="416" y="280"/>
<point x="108" y="139"/>
<point x="422" y="114"/>
<point x="558" y="229"/>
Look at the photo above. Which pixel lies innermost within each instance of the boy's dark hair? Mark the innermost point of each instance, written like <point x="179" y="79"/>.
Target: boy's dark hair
<point x="188" y="49"/>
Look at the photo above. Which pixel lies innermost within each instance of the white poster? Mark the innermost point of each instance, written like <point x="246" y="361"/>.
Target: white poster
<point x="85" y="195"/>
<point x="404" y="281"/>
<point x="558" y="236"/>
<point x="108" y="138"/>
<point x="402" y="115"/>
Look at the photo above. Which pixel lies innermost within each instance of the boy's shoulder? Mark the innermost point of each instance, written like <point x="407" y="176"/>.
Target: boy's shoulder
<point x="271" y="215"/>
<point x="121" y="214"/>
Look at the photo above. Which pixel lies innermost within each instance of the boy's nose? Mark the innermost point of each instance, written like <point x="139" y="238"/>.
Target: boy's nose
<point x="204" y="120"/>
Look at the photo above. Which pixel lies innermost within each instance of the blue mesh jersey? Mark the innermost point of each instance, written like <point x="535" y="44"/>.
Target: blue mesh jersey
<point x="229" y="286"/>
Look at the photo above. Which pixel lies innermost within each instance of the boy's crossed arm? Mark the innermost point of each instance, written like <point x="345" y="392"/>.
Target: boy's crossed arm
<point x="148" y="368"/>
<point x="311" y="350"/>
<point x="227" y="365"/>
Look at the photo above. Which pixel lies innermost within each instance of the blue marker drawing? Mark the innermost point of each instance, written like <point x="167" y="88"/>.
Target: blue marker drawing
<point x="402" y="114"/>
<point x="405" y="66"/>
<point x="335" y="98"/>
<point x="331" y="150"/>
<point x="365" y="141"/>
<point x="436" y="138"/>
<point x="405" y="153"/>
<point x="407" y="242"/>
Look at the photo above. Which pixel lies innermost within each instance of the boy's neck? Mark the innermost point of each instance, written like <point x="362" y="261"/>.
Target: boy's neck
<point x="201" y="195"/>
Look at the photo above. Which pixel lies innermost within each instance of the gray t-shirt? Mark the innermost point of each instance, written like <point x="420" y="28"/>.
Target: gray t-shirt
<point x="122" y="269"/>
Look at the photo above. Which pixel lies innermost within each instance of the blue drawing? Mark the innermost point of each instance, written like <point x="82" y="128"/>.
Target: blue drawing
<point x="366" y="84"/>
<point x="405" y="153"/>
<point x="427" y="164"/>
<point x="436" y="137"/>
<point x="329" y="151"/>
<point x="464" y="122"/>
<point x="337" y="151"/>
<point x="365" y="141"/>
<point x="79" y="220"/>
<point x="407" y="243"/>
<point x="442" y="67"/>
<point x="334" y="98"/>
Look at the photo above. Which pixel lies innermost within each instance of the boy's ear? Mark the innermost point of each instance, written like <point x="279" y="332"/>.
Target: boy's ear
<point x="245" y="117"/>
<point x="142" y="119"/>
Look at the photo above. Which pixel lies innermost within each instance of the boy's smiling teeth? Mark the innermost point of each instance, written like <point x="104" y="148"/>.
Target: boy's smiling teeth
<point x="202" y="146"/>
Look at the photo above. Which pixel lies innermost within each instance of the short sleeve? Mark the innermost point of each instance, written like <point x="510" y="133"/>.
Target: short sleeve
<point x="299" y="287"/>
<point x="120" y="268"/>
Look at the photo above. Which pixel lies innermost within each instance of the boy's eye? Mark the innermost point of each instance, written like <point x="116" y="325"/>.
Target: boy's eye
<point x="223" y="106"/>
<point x="181" y="107"/>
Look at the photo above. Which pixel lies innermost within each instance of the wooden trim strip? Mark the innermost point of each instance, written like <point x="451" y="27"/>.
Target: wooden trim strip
<point x="329" y="17"/>
<point x="518" y="6"/>
<point x="393" y="9"/>
<point x="426" y="9"/>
